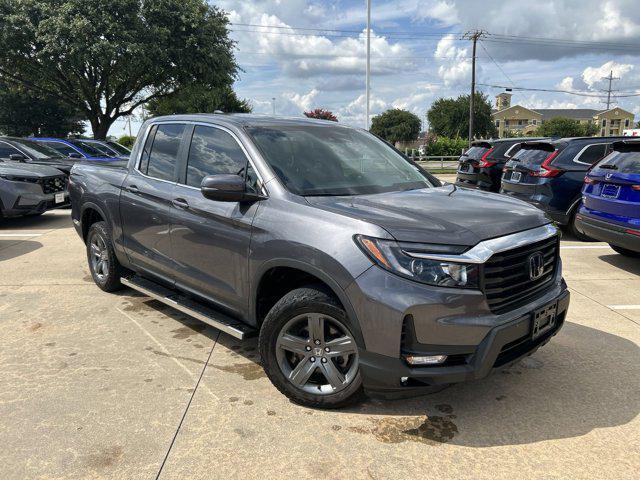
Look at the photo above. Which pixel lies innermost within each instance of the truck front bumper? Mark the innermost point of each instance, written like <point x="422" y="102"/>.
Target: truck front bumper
<point x="502" y="346"/>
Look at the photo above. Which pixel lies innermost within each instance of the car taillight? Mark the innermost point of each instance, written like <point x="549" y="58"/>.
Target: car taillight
<point x="633" y="232"/>
<point x="636" y="187"/>
<point x="483" y="160"/>
<point x="546" y="170"/>
<point x="590" y="181"/>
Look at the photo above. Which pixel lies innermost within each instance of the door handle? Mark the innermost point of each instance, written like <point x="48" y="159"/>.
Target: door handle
<point x="180" y="203"/>
<point x="132" y="189"/>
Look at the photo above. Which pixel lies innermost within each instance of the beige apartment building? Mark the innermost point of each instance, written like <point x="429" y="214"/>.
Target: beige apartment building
<point x="518" y="120"/>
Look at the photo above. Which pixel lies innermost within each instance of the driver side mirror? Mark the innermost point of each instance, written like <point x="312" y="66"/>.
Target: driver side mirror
<point x="227" y="188"/>
<point x="17" y="157"/>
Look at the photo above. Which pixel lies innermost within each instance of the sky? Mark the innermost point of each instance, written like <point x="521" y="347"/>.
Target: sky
<point x="311" y="53"/>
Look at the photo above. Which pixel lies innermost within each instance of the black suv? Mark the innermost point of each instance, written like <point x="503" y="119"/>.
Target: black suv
<point x="549" y="174"/>
<point x="481" y="166"/>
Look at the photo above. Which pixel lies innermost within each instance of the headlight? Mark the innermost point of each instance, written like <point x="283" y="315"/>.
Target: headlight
<point x="393" y="256"/>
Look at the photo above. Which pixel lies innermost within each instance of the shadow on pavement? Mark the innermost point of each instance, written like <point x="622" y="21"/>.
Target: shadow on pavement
<point x="15" y="248"/>
<point x="628" y="264"/>
<point x="44" y="221"/>
<point x="584" y="379"/>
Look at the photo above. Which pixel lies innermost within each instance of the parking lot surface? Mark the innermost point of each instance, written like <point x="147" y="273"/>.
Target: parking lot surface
<point x="97" y="385"/>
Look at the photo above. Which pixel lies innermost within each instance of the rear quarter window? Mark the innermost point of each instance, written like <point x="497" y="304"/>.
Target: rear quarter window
<point x="475" y="153"/>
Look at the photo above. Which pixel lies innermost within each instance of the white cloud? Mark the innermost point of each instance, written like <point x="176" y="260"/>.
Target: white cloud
<point x="594" y="77"/>
<point x="455" y="66"/>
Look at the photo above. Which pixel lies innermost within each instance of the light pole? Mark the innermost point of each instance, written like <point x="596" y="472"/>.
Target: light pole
<point x="273" y="105"/>
<point x="368" y="76"/>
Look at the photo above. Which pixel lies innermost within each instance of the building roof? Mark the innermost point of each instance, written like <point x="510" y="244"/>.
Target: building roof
<point x="573" y="113"/>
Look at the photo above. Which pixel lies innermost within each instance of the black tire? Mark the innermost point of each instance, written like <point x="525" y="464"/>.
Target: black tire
<point x="625" y="252"/>
<point x="573" y="230"/>
<point x="108" y="276"/>
<point x="315" y="301"/>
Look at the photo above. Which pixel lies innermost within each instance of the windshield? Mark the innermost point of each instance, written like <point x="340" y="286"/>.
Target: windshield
<point x="36" y="150"/>
<point x="333" y="160"/>
<point x="474" y="153"/>
<point x="623" y="162"/>
<point x="122" y="150"/>
<point x="89" y="148"/>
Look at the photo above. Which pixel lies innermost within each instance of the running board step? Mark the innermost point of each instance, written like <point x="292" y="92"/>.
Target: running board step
<point x="189" y="306"/>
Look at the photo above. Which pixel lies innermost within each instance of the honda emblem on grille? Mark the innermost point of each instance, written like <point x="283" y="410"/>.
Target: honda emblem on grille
<point x="536" y="265"/>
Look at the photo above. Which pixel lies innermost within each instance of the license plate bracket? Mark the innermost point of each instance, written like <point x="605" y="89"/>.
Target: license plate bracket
<point x="515" y="177"/>
<point x="610" y="191"/>
<point x="543" y="320"/>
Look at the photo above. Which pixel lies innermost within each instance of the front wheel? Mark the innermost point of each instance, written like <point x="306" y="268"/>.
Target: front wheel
<point x="625" y="252"/>
<point x="308" y="351"/>
<point x="103" y="264"/>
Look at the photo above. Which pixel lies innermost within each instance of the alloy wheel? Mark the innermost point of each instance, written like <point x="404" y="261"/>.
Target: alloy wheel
<point x="99" y="257"/>
<point x="317" y="354"/>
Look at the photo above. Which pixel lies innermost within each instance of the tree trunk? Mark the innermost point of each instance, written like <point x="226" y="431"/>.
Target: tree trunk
<point x="100" y="126"/>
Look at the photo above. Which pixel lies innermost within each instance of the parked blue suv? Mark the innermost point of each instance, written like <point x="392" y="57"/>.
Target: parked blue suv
<point x="549" y="174"/>
<point x="611" y="200"/>
<point x="76" y="148"/>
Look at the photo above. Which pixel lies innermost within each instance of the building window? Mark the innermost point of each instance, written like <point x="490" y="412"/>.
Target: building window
<point x="497" y="123"/>
<point x="535" y="122"/>
<point x="602" y="133"/>
<point x="604" y="122"/>
<point x="626" y="122"/>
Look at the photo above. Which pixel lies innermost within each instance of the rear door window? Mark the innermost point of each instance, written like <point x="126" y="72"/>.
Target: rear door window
<point x="163" y="153"/>
<point x="624" y="162"/>
<point x="213" y="151"/>
<point x="592" y="154"/>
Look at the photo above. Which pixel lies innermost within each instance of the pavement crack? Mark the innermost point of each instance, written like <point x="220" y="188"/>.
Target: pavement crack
<point x="186" y="410"/>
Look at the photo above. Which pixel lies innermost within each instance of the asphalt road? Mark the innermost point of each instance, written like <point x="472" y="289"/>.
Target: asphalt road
<point x="96" y="385"/>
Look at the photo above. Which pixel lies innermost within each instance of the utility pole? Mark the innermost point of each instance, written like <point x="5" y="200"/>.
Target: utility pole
<point x="273" y="106"/>
<point x="611" y="78"/>
<point x="474" y="37"/>
<point x="368" y="75"/>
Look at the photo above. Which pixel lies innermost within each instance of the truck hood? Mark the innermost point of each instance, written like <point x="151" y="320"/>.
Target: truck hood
<point x="28" y="170"/>
<point x="446" y="215"/>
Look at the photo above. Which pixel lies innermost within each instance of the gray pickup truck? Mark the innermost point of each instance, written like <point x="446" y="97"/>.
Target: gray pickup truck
<point x="359" y="271"/>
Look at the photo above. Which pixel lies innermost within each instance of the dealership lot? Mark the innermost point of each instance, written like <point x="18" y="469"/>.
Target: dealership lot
<point x="118" y="386"/>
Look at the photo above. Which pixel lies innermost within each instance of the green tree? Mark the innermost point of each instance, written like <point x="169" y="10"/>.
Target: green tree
<point x="449" y="117"/>
<point x="199" y="98"/>
<point x="24" y="113"/>
<point x="396" y="125"/>
<point x="561" y="127"/>
<point x="321" y="114"/>
<point x="108" y="58"/>
<point x="127" y="141"/>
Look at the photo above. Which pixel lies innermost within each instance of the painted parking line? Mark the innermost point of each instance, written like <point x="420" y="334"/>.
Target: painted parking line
<point x="584" y="247"/>
<point x="624" y="307"/>
<point x="21" y="234"/>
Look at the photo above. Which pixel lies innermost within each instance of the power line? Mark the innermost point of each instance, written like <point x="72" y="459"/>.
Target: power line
<point x="497" y="64"/>
<point x="611" y="78"/>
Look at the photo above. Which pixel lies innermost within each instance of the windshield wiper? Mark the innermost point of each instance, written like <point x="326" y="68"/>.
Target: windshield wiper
<point x="609" y="166"/>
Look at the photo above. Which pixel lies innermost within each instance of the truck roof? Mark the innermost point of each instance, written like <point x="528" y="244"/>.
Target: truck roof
<point x="247" y="119"/>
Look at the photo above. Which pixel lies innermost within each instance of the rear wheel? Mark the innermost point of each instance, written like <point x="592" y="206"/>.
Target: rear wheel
<point x="308" y="351"/>
<point x="103" y="264"/>
<point x="625" y="252"/>
<point x="572" y="229"/>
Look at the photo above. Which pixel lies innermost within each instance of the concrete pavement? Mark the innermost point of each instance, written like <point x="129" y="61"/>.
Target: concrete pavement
<point x="97" y="385"/>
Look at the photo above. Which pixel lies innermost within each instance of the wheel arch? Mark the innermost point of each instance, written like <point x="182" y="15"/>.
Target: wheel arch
<point x="307" y="274"/>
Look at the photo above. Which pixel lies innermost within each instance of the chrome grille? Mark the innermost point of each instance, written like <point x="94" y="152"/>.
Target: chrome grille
<point x="506" y="281"/>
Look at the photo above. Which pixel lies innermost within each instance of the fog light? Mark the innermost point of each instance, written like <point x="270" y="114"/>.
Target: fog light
<point x="425" y="359"/>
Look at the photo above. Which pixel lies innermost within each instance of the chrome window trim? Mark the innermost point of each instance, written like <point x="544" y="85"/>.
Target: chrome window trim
<point x="487" y="248"/>
<point x="508" y="153"/>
